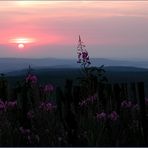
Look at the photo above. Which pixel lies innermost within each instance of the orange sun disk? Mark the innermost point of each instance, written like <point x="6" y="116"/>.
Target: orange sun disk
<point x="21" y="46"/>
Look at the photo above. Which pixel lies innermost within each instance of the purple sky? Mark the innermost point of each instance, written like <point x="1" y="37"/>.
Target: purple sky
<point x="108" y="28"/>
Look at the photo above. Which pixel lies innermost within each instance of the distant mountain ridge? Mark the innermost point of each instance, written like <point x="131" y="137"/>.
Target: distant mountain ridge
<point x="125" y="69"/>
<point x="55" y="69"/>
<point x="16" y="64"/>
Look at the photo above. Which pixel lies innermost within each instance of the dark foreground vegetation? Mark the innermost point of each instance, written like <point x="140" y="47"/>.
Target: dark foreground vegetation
<point x="85" y="111"/>
<point x="57" y="76"/>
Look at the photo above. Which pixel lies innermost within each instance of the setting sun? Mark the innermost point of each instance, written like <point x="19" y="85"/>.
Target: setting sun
<point x="21" y="41"/>
<point x="20" y="46"/>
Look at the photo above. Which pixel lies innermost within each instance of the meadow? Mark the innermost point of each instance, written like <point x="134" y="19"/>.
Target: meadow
<point x="73" y="107"/>
<point x="57" y="76"/>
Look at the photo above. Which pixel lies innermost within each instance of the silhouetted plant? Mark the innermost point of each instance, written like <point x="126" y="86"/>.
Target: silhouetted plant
<point x="92" y="77"/>
<point x="3" y="87"/>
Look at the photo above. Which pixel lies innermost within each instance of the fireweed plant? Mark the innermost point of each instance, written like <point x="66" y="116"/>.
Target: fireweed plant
<point x="92" y="77"/>
<point x="95" y="128"/>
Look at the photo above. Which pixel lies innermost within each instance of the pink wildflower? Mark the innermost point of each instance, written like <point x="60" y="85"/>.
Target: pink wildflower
<point x="11" y="104"/>
<point x="48" y="88"/>
<point x="47" y="106"/>
<point x="2" y="105"/>
<point x="31" y="79"/>
<point x="83" y="103"/>
<point x="101" y="116"/>
<point x="85" y="57"/>
<point x="126" y="104"/>
<point x="92" y="98"/>
<point x="24" y="131"/>
<point x="113" y="116"/>
<point x="82" y="53"/>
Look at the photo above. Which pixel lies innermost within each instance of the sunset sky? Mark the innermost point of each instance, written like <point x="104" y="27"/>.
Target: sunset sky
<point x="109" y="29"/>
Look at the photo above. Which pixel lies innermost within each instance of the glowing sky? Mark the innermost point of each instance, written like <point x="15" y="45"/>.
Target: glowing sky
<point x="108" y="28"/>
